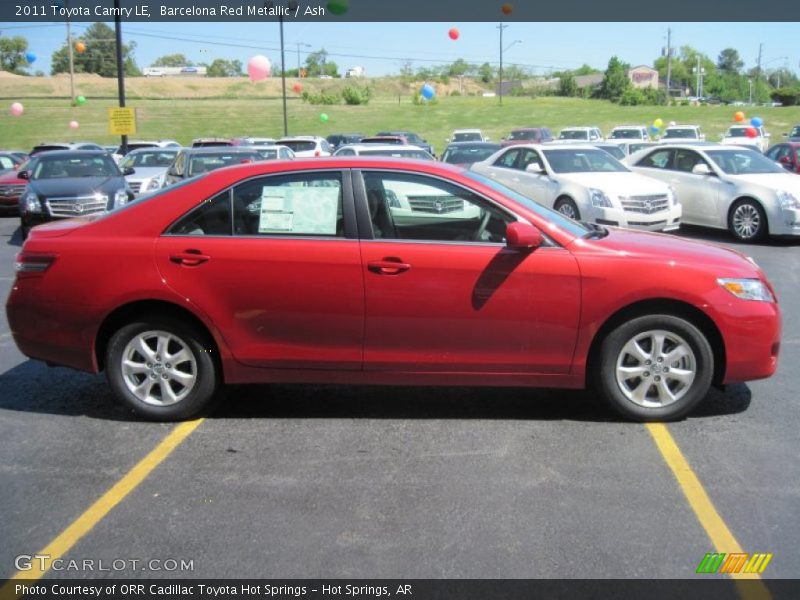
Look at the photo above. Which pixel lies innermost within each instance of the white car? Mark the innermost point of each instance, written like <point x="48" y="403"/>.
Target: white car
<point x="678" y="134"/>
<point x="585" y="183"/>
<point x="273" y="152"/>
<point x="737" y="136"/>
<point x="467" y="135"/>
<point x="137" y="144"/>
<point x="393" y="150"/>
<point x="580" y="134"/>
<point x="150" y="168"/>
<point x="629" y="133"/>
<point x="307" y="146"/>
<point x="726" y="187"/>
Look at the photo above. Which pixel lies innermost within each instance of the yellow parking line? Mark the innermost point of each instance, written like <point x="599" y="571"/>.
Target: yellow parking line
<point x="705" y="511"/>
<point x="95" y="513"/>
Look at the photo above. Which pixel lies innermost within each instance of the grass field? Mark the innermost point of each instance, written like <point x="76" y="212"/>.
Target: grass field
<point x="186" y="118"/>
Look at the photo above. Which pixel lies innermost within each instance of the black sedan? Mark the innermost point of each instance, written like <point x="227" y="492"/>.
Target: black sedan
<point x="71" y="183"/>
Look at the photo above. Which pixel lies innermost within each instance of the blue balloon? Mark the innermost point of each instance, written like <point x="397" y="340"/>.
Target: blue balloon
<point x="654" y="129"/>
<point x="428" y="92"/>
<point x="756" y="121"/>
<point x="30" y="57"/>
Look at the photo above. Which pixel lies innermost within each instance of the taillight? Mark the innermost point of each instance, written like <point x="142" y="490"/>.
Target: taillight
<point x="30" y="264"/>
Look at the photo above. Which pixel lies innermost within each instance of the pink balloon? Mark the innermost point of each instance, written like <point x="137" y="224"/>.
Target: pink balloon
<point x="259" y="67"/>
<point x="74" y="124"/>
<point x="17" y="109"/>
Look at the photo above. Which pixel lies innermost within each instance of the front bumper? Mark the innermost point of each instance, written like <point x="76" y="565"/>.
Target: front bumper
<point x="785" y="222"/>
<point x="665" y="220"/>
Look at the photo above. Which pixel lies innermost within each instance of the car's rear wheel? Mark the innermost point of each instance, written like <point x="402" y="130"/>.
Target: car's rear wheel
<point x="747" y="221"/>
<point x="162" y="368"/>
<point x="654" y="368"/>
<point x="567" y="207"/>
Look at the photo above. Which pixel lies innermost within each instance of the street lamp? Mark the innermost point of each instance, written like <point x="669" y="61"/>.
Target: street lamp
<point x="292" y="6"/>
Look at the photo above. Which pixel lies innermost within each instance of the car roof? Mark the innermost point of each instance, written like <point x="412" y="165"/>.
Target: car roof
<point x="75" y="153"/>
<point x="155" y="149"/>
<point x="677" y="126"/>
<point x="466" y="131"/>
<point x="579" y="127"/>
<point x="628" y="127"/>
<point x="474" y="145"/>
<point x="301" y="138"/>
<point x="220" y="149"/>
<point x="391" y="147"/>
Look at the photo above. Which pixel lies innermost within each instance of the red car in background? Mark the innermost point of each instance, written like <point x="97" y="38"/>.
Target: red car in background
<point x="384" y="271"/>
<point x="787" y="154"/>
<point x="11" y="188"/>
<point x="527" y="135"/>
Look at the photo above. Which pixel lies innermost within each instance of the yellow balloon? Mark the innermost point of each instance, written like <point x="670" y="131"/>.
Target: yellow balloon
<point x="658" y="123"/>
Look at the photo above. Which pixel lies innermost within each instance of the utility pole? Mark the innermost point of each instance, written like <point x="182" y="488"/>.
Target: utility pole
<point x="71" y="59"/>
<point x="758" y="68"/>
<point x="697" y="86"/>
<point x="500" y="87"/>
<point x="669" y="63"/>
<point x="120" y="67"/>
<point x="304" y="45"/>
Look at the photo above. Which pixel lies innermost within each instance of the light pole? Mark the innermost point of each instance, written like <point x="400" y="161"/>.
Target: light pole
<point x="772" y="60"/>
<point x="501" y="27"/>
<point x="750" y="83"/>
<point x="120" y="68"/>
<point x="299" y="44"/>
<point x="292" y="6"/>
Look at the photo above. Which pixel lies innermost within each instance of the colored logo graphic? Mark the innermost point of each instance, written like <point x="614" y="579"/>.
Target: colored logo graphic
<point x="735" y="562"/>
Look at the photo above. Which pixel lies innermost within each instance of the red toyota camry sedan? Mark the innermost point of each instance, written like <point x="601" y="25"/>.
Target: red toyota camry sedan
<point x="384" y="271"/>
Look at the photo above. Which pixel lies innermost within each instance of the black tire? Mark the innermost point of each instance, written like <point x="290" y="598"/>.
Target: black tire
<point x="744" y="212"/>
<point x="604" y="371"/>
<point x="205" y="369"/>
<point x="24" y="230"/>
<point x="567" y="204"/>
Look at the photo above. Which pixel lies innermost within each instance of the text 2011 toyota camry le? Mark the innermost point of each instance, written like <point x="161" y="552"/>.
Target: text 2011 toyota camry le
<point x="384" y="271"/>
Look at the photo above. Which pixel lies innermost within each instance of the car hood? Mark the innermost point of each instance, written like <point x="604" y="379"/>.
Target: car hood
<point x="10" y="176"/>
<point x="143" y="173"/>
<point x="670" y="251"/>
<point x="76" y="186"/>
<point x="617" y="184"/>
<point x="774" y="181"/>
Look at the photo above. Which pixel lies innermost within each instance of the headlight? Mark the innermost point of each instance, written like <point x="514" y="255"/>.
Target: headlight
<point x="599" y="198"/>
<point x="30" y="203"/>
<point x="748" y="289"/>
<point x="153" y="184"/>
<point x="787" y="200"/>
<point x="120" y="198"/>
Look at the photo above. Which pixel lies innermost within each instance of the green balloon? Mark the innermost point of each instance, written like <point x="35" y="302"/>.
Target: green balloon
<point x="80" y="100"/>
<point x="338" y="7"/>
<point x="324" y="117"/>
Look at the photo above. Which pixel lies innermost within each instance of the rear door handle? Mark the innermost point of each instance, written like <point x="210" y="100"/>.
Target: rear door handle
<point x="189" y="258"/>
<point x="388" y="266"/>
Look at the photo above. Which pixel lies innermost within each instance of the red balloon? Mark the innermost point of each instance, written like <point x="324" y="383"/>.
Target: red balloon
<point x="453" y="33"/>
<point x="297" y="88"/>
<point x="751" y="132"/>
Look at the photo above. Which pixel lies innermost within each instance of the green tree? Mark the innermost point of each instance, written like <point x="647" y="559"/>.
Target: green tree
<point x="224" y="68"/>
<point x="317" y="64"/>
<point x="728" y="61"/>
<point x="615" y="80"/>
<point x="486" y="73"/>
<point x="567" y="85"/>
<point x="460" y="68"/>
<point x="585" y="70"/>
<point x="172" y="60"/>
<point x="100" y="56"/>
<point x="12" y="55"/>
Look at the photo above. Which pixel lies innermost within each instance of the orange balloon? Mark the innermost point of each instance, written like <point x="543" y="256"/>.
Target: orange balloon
<point x="739" y="116"/>
<point x="507" y="8"/>
<point x="80" y="47"/>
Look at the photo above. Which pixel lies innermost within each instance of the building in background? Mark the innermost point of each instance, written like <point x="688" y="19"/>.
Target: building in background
<point x="355" y="72"/>
<point x="174" y="71"/>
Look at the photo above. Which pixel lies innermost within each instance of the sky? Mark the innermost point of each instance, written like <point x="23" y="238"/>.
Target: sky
<point x="383" y="47"/>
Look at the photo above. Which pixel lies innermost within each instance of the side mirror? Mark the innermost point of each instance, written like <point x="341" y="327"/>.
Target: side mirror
<point x="128" y="171"/>
<point x="535" y="168"/>
<point x="23" y="175"/>
<point x="701" y="169"/>
<point x="523" y="236"/>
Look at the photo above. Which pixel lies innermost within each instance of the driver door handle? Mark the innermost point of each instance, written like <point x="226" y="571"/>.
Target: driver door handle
<point x="189" y="258"/>
<point x="388" y="266"/>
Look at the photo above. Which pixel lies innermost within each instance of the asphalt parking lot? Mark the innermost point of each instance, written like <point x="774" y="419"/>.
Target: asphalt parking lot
<point x="327" y="481"/>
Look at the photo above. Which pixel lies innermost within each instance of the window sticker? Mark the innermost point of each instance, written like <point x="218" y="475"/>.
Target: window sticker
<point x="301" y="210"/>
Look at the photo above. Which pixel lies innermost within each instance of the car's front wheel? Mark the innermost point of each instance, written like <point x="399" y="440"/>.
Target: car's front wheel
<point x="747" y="221"/>
<point x="162" y="368"/>
<point x="567" y="207"/>
<point x="654" y="368"/>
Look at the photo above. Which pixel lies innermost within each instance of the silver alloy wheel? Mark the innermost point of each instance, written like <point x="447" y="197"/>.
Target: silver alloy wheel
<point x="566" y="209"/>
<point x="655" y="368"/>
<point x="159" y="368"/>
<point x="746" y="221"/>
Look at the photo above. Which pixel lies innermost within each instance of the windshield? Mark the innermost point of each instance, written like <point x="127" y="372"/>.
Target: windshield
<point x="743" y="162"/>
<point x="467" y="136"/>
<point x="522" y="134"/>
<point x="202" y="163"/>
<point x="268" y="153"/>
<point x="573" y="134"/>
<point x="583" y="161"/>
<point x="554" y="217"/>
<point x="680" y="133"/>
<point x="795" y="132"/>
<point x="463" y="156"/>
<point x="737" y="132"/>
<point x="300" y="145"/>
<point x="636" y="147"/>
<point x="626" y="134"/>
<point x="614" y="151"/>
<point x="52" y="167"/>
<point x="399" y="153"/>
<point x="155" y="158"/>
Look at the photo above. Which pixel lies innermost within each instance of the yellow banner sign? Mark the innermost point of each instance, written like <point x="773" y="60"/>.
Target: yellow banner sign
<point x="122" y="121"/>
